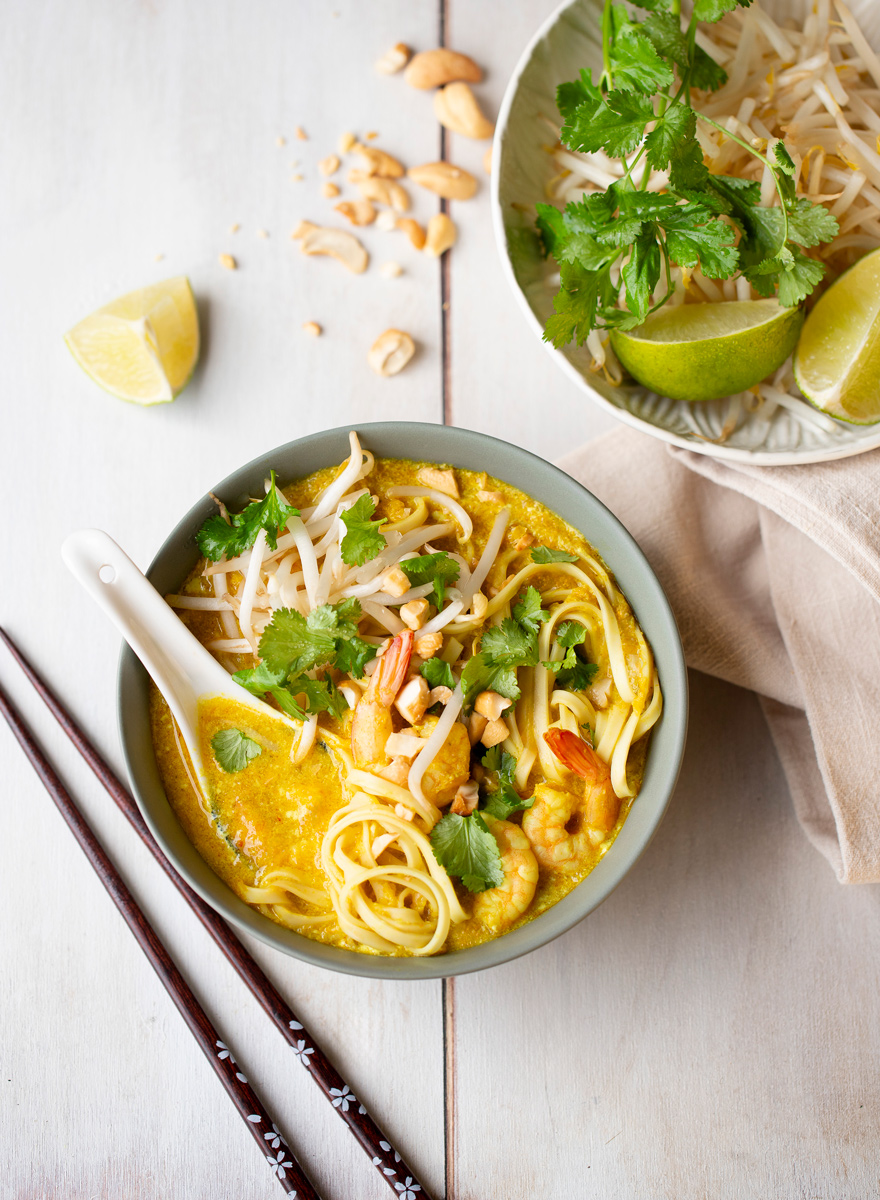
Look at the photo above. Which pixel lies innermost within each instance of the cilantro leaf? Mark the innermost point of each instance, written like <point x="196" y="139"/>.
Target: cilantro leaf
<point x="363" y="540"/>
<point x="791" y="271"/>
<point x="438" y="568"/>
<point x="292" y="643"/>
<point x="666" y="140"/>
<point x="569" y="96"/>
<point x="653" y="5"/>
<point x="663" y="31"/>
<point x="572" y="672"/>
<point x="714" y="10"/>
<point x="544" y="555"/>
<point x="322" y="695"/>
<point x="635" y="64"/>
<point x="465" y="848"/>
<point x="234" y="750"/>
<point x="438" y="673"/>
<point x="508" y="645"/>
<point x="503" y="799"/>
<point x="615" y="124"/>
<point x="551" y="228"/>
<point x="810" y="224"/>
<point x="352" y="655"/>
<point x="576" y="304"/>
<point x="686" y="167"/>
<point x="478" y="676"/>
<point x="706" y="73"/>
<point x="261" y="681"/>
<point x="693" y="236"/>
<point x="218" y="539"/>
<point x="528" y="612"/>
<point x="571" y="633"/>
<point x="642" y="273"/>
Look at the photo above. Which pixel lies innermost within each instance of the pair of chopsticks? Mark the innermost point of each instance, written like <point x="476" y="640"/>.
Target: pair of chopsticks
<point x="281" y="1159"/>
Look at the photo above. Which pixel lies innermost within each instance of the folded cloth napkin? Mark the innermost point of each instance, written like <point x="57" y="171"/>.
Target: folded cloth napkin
<point x="773" y="574"/>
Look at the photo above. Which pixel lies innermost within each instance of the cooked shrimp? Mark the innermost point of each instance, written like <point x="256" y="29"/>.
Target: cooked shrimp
<point x="562" y="826"/>
<point x="372" y="725"/>
<point x="499" y="907"/>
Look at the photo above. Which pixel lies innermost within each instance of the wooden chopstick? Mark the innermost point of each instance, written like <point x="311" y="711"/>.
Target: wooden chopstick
<point x="387" y="1161"/>
<point x="287" y="1170"/>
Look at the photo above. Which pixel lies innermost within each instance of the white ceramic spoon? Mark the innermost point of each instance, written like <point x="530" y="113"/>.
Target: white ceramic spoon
<point x="181" y="667"/>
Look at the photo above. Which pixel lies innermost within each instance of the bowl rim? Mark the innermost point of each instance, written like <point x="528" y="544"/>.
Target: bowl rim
<point x="764" y="458"/>
<point x="661" y="773"/>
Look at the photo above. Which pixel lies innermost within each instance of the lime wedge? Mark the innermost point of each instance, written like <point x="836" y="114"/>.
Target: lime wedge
<point x="144" y="346"/>
<point x="837" y="361"/>
<point x="703" y="351"/>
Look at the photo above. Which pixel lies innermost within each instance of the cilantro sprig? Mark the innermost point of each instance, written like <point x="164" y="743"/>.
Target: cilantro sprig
<point x="465" y="847"/>
<point x="503" y="798"/>
<point x="293" y="645"/>
<point x="619" y="244"/>
<point x="363" y="539"/>
<point x="219" y="539"/>
<point x="571" y="671"/>
<point x="437" y="568"/>
<point x="503" y="649"/>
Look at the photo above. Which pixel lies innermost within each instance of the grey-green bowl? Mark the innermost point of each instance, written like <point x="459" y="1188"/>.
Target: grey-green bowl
<point x="564" y="496"/>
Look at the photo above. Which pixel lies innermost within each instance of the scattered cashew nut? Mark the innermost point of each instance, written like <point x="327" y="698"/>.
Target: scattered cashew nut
<point x="359" y="212"/>
<point x="433" y="68"/>
<point x="393" y="60"/>
<point x="378" y="162"/>
<point x="338" y="244"/>
<point x="457" y="108"/>
<point x="390" y="352"/>
<point x="441" y="235"/>
<point x="444" y="179"/>
<point x="384" y="191"/>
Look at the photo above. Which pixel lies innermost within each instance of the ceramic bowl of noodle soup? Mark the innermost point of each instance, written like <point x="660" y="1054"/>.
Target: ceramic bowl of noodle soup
<point x="463" y="701"/>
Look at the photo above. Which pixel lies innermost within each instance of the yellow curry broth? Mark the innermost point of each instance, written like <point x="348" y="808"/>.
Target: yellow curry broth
<point x="274" y="813"/>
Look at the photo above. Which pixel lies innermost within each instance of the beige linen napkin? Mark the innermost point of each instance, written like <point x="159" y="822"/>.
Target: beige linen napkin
<point x="774" y="577"/>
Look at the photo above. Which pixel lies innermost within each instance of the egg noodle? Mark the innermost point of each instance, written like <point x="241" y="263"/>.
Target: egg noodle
<point x="380" y="879"/>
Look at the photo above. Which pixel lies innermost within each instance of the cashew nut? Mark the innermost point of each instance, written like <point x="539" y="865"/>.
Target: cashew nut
<point x="433" y="68"/>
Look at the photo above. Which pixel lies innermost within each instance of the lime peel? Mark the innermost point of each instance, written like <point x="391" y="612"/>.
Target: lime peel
<point x="699" y="352"/>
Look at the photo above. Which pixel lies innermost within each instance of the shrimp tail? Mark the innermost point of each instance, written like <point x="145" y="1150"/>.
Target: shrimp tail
<point x="390" y="675"/>
<point x="574" y="753"/>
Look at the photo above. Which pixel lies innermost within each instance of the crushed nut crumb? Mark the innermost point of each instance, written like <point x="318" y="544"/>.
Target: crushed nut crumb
<point x="346" y="141"/>
<point x="371" y="136"/>
<point x="390" y="270"/>
<point x="227" y="261"/>
<point x="281" y="141"/>
<point x="330" y="190"/>
<point x="312" y="328"/>
<point x="234" y="227"/>
<point x="158" y="257"/>
<point x="262" y="233"/>
<point x="296" y="178"/>
<point x="301" y="134"/>
<point x="386" y="221"/>
<point x="328" y="165"/>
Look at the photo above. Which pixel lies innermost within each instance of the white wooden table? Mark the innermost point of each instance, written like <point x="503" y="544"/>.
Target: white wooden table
<point x="711" y="1031"/>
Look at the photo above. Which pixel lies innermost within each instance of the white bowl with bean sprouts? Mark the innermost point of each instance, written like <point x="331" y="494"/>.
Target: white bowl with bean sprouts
<point x="806" y="71"/>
